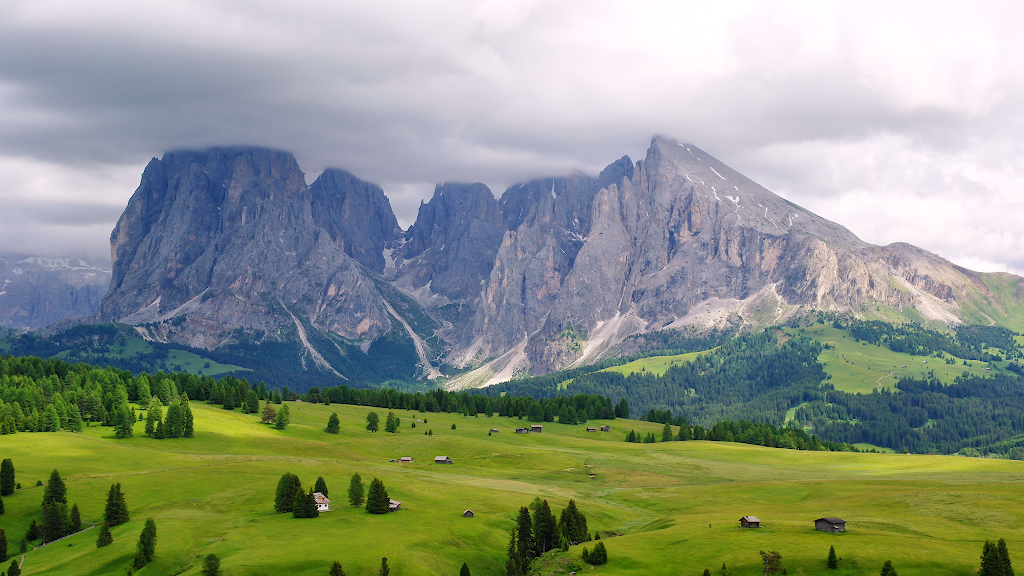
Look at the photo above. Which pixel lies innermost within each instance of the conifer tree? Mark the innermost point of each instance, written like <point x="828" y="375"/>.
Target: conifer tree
<point x="123" y="422"/>
<point x="14" y="569"/>
<point x="287" y="486"/>
<point x="105" y="539"/>
<point x="320" y="486"/>
<point x="772" y="562"/>
<point x="707" y="572"/>
<point x="116" y="510"/>
<point x="666" y="433"/>
<point x="188" y="429"/>
<point x="211" y="565"/>
<point x="372" y="421"/>
<point x="545" y="528"/>
<point x="6" y="477"/>
<point x="526" y="547"/>
<point x="333" y="424"/>
<point x="377" y="500"/>
<point x="336" y="569"/>
<point x="269" y="414"/>
<point x="160" y="432"/>
<point x="75" y="423"/>
<point x="991" y="563"/>
<point x="55" y="521"/>
<point x="832" y="561"/>
<point x="145" y="550"/>
<point x="384" y="569"/>
<point x="143" y="391"/>
<point x="1" y="505"/>
<point x="598" y="556"/>
<point x="76" y="518"/>
<point x="3" y="545"/>
<point x="55" y="490"/>
<point x="1004" y="558"/>
<point x="465" y="570"/>
<point x="887" y="569"/>
<point x="392" y="422"/>
<point x="283" y="418"/>
<point x="512" y="560"/>
<point x="154" y="414"/>
<point x="355" y="490"/>
<point x="33" y="531"/>
<point x="229" y="398"/>
<point x="685" y="433"/>
<point x="305" y="504"/>
<point x="175" y="421"/>
<point x="252" y="403"/>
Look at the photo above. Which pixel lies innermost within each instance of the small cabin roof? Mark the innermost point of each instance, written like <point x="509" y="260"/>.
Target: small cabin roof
<point x="393" y="502"/>
<point x="441" y="458"/>
<point x="320" y="498"/>
<point x="751" y="519"/>
<point x="832" y="520"/>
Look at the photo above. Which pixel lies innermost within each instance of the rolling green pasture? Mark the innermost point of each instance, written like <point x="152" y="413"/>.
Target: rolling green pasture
<point x="862" y="367"/>
<point x="656" y="365"/>
<point x="676" y="504"/>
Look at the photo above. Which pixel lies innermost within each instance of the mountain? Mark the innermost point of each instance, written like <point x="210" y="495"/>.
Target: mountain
<point x="228" y="253"/>
<point x="36" y="292"/>
<point x="229" y="249"/>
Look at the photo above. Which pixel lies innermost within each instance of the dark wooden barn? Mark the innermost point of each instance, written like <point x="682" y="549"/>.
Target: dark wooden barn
<point x="750" y="522"/>
<point x="830" y="524"/>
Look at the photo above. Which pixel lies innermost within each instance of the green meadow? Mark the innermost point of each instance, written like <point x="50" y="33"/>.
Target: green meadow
<point x="656" y="365"/>
<point x="862" y="367"/>
<point x="665" y="508"/>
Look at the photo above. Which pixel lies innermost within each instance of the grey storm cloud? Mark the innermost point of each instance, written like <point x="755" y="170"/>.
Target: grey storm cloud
<point x="899" y="120"/>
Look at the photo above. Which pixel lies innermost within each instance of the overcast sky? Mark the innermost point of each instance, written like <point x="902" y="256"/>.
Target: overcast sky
<point x="900" y="120"/>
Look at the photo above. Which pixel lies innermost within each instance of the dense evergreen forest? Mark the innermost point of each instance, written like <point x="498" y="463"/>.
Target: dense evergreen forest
<point x="969" y="342"/>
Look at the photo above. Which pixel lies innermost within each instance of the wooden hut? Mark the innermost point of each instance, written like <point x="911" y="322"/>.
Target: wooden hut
<point x="536" y="428"/>
<point x="468" y="513"/>
<point x="405" y="459"/>
<point x="830" y="524"/>
<point x="589" y="429"/>
<point x="606" y="428"/>
<point x="522" y="430"/>
<point x="394" y="505"/>
<point x="750" y="522"/>
<point x="442" y="460"/>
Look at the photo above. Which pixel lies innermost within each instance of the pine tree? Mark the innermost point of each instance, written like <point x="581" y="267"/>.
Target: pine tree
<point x="685" y="433"/>
<point x="287" y="487"/>
<point x="116" y="510"/>
<point x="355" y="490"/>
<point x="55" y="490"/>
<point x="526" y="547"/>
<point x="465" y="570"/>
<point x="6" y="477"/>
<point x="160" y="433"/>
<point x="14" y="569"/>
<point x="283" y="418"/>
<point x="33" y="531"/>
<point x="211" y="565"/>
<point x="512" y="561"/>
<point x="320" y="486"/>
<point x="145" y="550"/>
<point x="105" y="538"/>
<point x="229" y="398"/>
<point x="392" y="422"/>
<point x="188" y="430"/>
<point x="545" y="528"/>
<point x="772" y="562"/>
<point x="599" y="555"/>
<point x="3" y="545"/>
<point x="832" y="561"/>
<point x="1004" y="558"/>
<point x="75" y="423"/>
<point x="269" y="414"/>
<point x="333" y="425"/>
<point x="305" y="504"/>
<point x="384" y="570"/>
<point x="377" y="500"/>
<point x="76" y="518"/>
<point x="453" y="426"/>
<point x="55" y="521"/>
<point x="123" y="422"/>
<point x="372" y="421"/>
<point x="887" y="569"/>
<point x="252" y="403"/>
<point x="154" y="414"/>
<point x="336" y="569"/>
<point x="175" y="421"/>
<point x="991" y="563"/>
<point x="666" y="433"/>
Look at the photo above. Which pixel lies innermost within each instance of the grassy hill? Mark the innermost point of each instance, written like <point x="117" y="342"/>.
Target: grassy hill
<point x="676" y="504"/>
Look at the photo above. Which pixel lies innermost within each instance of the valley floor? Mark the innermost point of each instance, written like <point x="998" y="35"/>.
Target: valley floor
<point x="676" y="505"/>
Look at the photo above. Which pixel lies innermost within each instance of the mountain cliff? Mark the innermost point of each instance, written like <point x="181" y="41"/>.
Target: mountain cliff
<point x="227" y="250"/>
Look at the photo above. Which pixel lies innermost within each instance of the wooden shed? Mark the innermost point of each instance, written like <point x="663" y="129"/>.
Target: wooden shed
<point x="589" y="429"/>
<point x="442" y="460"/>
<point x="606" y="428"/>
<point x="536" y="428"/>
<point x="495" y="430"/>
<point x="522" y="430"/>
<point x="468" y="513"/>
<point x="405" y="459"/>
<point x="750" y="522"/>
<point x="394" y="505"/>
<point x="830" y="524"/>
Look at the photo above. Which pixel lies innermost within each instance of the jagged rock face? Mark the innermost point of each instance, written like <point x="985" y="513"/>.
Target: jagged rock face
<point x="452" y="244"/>
<point x="682" y="239"/>
<point x="226" y="239"/>
<point x="36" y="292"/>
<point x="356" y="214"/>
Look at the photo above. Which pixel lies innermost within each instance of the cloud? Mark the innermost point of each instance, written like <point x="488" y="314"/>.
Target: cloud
<point x="899" y="120"/>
